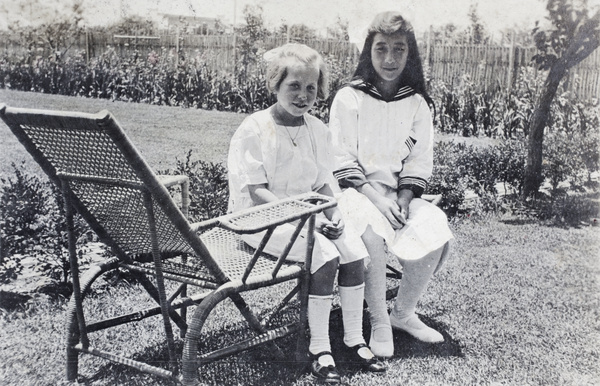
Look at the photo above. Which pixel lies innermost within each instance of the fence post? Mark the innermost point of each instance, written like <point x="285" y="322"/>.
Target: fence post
<point x="511" y="63"/>
<point x="428" y="49"/>
<point x="177" y="48"/>
<point x="234" y="36"/>
<point x="87" y="46"/>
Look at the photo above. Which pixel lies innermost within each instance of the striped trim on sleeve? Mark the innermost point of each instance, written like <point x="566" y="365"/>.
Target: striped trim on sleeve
<point x="416" y="184"/>
<point x="410" y="143"/>
<point x="351" y="177"/>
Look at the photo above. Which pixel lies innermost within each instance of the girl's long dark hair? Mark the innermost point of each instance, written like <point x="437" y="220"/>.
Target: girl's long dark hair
<point x="389" y="23"/>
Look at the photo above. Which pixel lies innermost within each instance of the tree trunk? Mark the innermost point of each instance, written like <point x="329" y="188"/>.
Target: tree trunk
<point x="580" y="46"/>
<point x="533" y="169"/>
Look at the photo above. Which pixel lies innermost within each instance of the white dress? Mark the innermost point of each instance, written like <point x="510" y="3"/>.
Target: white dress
<point x="390" y="145"/>
<point x="262" y="152"/>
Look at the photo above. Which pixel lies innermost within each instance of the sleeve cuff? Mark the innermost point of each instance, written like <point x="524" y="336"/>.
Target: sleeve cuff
<point x="350" y="177"/>
<point x="414" y="184"/>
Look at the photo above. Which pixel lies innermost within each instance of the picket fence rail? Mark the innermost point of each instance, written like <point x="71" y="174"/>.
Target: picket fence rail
<point x="488" y="67"/>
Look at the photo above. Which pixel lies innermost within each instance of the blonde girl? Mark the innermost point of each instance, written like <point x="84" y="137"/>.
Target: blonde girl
<point x="283" y="151"/>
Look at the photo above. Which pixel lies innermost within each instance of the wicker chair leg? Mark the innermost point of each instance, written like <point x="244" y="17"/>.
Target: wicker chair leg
<point x="189" y="372"/>
<point x="302" y="354"/>
<point x="395" y="275"/>
<point x="183" y="312"/>
<point x="162" y="297"/>
<point x="72" y="324"/>
<point x="254" y="322"/>
<point x="302" y="341"/>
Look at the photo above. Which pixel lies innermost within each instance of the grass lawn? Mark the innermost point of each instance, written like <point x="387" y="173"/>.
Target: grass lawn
<point x="161" y="133"/>
<point x="518" y="302"/>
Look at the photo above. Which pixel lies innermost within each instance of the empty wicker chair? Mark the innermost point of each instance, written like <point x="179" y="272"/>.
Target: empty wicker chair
<point x="105" y="180"/>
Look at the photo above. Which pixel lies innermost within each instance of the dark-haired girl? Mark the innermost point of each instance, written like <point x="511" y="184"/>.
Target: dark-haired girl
<point x="381" y="124"/>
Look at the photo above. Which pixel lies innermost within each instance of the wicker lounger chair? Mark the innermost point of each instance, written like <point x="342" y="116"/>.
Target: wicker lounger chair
<point x="107" y="182"/>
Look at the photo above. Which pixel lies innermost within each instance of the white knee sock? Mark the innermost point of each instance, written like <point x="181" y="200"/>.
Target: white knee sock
<point x="352" y="299"/>
<point x="415" y="277"/>
<point x="381" y="340"/>
<point x="319" y="308"/>
<point x="375" y="286"/>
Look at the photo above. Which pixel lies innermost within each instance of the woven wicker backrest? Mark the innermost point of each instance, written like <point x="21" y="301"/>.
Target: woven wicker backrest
<point x="106" y="175"/>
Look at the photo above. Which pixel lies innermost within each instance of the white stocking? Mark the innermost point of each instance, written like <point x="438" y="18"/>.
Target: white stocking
<point x="381" y="341"/>
<point x="319" y="308"/>
<point x="352" y="299"/>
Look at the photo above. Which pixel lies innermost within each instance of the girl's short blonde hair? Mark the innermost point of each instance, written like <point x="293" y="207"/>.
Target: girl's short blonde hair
<point x="277" y="68"/>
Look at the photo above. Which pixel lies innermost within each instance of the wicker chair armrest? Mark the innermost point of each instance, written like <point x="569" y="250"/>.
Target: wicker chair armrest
<point x="182" y="180"/>
<point x="261" y="217"/>
<point x="203" y="225"/>
<point x="171" y="180"/>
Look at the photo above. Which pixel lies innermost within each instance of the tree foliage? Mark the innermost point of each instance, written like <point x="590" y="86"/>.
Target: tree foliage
<point x="133" y="25"/>
<point x="57" y="29"/>
<point x="302" y="33"/>
<point x="478" y="34"/>
<point x="339" y="30"/>
<point x="250" y="37"/>
<point x="573" y="35"/>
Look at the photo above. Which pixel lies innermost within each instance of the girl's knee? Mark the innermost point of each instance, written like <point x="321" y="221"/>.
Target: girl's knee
<point x="321" y="281"/>
<point x="352" y="274"/>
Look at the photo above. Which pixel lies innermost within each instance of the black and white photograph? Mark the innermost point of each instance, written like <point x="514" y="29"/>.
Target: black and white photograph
<point x="274" y="192"/>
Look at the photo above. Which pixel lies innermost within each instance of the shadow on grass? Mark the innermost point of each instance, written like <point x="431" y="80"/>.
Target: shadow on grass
<point x="259" y="366"/>
<point x="405" y="346"/>
<point x="253" y="367"/>
<point x="565" y="210"/>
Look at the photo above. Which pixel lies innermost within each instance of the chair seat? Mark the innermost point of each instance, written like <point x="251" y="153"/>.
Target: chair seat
<point x="230" y="252"/>
<point x="233" y="255"/>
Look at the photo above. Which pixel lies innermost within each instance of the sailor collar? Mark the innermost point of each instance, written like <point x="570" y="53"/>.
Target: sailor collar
<point x="368" y="88"/>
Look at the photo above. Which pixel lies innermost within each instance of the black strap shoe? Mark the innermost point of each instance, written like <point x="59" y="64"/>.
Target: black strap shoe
<point x="326" y="374"/>
<point x="361" y="354"/>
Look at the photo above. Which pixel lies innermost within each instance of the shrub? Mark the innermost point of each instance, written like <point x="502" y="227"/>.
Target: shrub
<point x="570" y="152"/>
<point x="155" y="79"/>
<point x="158" y="78"/>
<point x="22" y="206"/>
<point x="32" y="223"/>
<point x="464" y="110"/>
<point x="448" y="178"/>
<point x="209" y="193"/>
<point x="32" y="218"/>
<point x="459" y="167"/>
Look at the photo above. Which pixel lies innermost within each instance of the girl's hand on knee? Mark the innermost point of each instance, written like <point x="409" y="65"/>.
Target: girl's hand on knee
<point x="405" y="196"/>
<point x="392" y="212"/>
<point x="332" y="228"/>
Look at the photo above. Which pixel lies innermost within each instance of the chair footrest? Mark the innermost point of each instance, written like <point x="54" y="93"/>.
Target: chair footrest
<point x="128" y="362"/>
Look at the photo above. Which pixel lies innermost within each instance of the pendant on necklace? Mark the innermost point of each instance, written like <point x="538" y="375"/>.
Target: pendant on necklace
<point x="293" y="139"/>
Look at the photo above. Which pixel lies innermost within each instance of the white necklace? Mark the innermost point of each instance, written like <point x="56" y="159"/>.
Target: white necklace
<point x="293" y="139"/>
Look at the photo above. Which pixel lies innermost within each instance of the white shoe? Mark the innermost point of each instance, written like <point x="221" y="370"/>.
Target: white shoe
<point x="413" y="326"/>
<point x="382" y="341"/>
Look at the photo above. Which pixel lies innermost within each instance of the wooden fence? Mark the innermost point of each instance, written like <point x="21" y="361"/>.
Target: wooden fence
<point x="494" y="67"/>
<point x="488" y="66"/>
